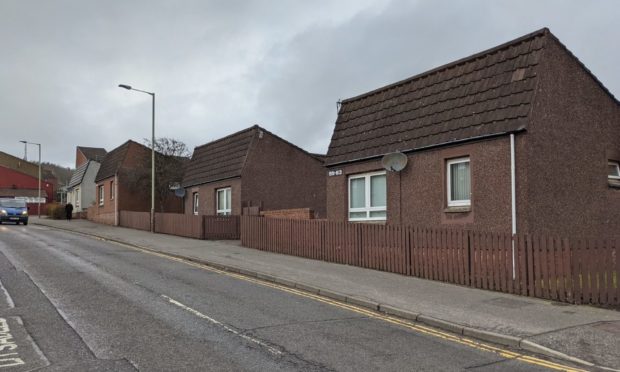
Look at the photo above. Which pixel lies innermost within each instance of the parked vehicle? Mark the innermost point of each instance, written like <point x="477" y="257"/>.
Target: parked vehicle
<point x="13" y="210"/>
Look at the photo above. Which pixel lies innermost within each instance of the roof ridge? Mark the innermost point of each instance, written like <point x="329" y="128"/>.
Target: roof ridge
<point x="584" y="67"/>
<point x="88" y="147"/>
<point x="255" y="126"/>
<point x="286" y="141"/>
<point x="541" y="32"/>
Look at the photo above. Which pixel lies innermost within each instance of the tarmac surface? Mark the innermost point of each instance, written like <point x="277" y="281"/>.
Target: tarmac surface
<point x="78" y="303"/>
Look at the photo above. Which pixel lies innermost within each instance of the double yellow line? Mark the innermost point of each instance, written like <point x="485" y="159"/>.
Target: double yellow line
<point x="367" y="312"/>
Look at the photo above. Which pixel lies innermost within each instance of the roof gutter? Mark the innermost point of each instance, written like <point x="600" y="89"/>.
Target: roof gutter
<point x="443" y="144"/>
<point x="208" y="182"/>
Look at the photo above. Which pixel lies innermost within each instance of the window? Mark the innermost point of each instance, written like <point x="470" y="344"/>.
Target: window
<point x="459" y="182"/>
<point x="100" y="194"/>
<point x="77" y="197"/>
<point x="223" y="202"/>
<point x="195" y="203"/>
<point x="368" y="197"/>
<point x="111" y="190"/>
<point x="613" y="170"/>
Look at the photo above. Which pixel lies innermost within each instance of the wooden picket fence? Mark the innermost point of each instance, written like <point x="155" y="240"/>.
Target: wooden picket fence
<point x="135" y="220"/>
<point x="221" y="227"/>
<point x="560" y="269"/>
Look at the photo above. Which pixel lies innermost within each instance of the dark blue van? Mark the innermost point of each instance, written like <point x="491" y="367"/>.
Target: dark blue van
<point x="13" y="210"/>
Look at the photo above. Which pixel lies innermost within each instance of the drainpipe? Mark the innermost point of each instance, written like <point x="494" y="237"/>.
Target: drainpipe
<point x="513" y="200"/>
<point x="116" y="216"/>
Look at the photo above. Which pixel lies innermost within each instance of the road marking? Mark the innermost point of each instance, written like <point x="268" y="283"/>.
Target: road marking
<point x="7" y="344"/>
<point x="7" y="296"/>
<point x="357" y="309"/>
<point x="271" y="349"/>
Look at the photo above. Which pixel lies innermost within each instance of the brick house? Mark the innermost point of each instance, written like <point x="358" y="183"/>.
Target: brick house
<point x="253" y="168"/>
<point x="81" y="189"/>
<point x="84" y="154"/>
<point x="20" y="179"/>
<point x="119" y="189"/>
<point x="461" y="124"/>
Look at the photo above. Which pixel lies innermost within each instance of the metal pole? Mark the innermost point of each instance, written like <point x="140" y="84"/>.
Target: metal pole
<point x="39" y="199"/>
<point x="513" y="203"/>
<point x="124" y="86"/>
<point x="153" y="169"/>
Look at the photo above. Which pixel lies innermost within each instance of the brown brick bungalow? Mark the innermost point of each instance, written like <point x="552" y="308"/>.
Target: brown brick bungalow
<point x="253" y="168"/>
<point x="527" y="108"/>
<point x="117" y="186"/>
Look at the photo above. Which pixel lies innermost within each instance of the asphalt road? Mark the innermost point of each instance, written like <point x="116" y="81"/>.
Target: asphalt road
<point x="70" y="302"/>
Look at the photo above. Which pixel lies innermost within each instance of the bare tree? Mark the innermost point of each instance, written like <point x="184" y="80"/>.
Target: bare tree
<point x="171" y="156"/>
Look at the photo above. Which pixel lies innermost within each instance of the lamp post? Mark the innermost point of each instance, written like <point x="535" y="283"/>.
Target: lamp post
<point x="26" y="143"/>
<point x="128" y="87"/>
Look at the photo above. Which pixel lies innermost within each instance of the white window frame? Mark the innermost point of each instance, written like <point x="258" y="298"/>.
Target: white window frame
<point x="225" y="211"/>
<point x="76" y="195"/>
<point x="367" y="208"/>
<point x="111" y="190"/>
<point x="449" y="163"/>
<point x="617" y="164"/>
<point x="101" y="194"/>
<point x="195" y="201"/>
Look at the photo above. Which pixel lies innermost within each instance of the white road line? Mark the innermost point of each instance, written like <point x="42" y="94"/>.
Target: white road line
<point x="271" y="349"/>
<point x="9" y="300"/>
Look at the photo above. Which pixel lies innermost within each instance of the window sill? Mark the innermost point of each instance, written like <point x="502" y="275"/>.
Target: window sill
<point x="374" y="222"/>
<point x="614" y="184"/>
<point x="464" y="209"/>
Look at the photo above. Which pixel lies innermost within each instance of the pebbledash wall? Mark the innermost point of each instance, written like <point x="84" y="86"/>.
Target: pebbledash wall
<point x="562" y="185"/>
<point x="207" y="197"/>
<point x="417" y="195"/>
<point x="279" y="175"/>
<point x="575" y="130"/>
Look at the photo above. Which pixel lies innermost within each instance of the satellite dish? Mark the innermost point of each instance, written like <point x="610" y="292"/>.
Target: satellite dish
<point x="394" y="162"/>
<point x="180" y="192"/>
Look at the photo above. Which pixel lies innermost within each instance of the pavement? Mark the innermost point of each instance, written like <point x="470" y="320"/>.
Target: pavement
<point x="581" y="334"/>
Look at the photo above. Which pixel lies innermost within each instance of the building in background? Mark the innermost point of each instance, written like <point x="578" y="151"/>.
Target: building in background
<point x="123" y="184"/>
<point x="81" y="190"/>
<point x="20" y="179"/>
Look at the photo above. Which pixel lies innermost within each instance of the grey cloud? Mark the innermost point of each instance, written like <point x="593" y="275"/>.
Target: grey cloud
<point x="220" y="66"/>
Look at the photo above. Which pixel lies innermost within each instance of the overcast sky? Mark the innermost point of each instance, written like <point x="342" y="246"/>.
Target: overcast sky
<point x="221" y="66"/>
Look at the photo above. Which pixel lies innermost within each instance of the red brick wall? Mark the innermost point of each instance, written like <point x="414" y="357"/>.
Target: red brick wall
<point x="79" y="158"/>
<point x="108" y="204"/>
<point x="294" y="214"/>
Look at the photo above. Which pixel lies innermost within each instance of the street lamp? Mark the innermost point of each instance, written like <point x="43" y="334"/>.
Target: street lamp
<point x="128" y="87"/>
<point x="26" y="143"/>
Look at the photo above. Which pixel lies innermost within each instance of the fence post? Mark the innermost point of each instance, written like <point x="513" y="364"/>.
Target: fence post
<point x="469" y="259"/>
<point x="203" y="228"/>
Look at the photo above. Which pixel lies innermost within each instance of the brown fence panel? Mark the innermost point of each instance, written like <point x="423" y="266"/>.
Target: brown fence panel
<point x="222" y="227"/>
<point x="189" y="226"/>
<point x="574" y="271"/>
<point x="135" y="220"/>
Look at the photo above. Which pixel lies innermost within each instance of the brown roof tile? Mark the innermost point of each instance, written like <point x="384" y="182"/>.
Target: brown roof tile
<point x="93" y="153"/>
<point x="485" y="94"/>
<point x="220" y="159"/>
<point x="114" y="160"/>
